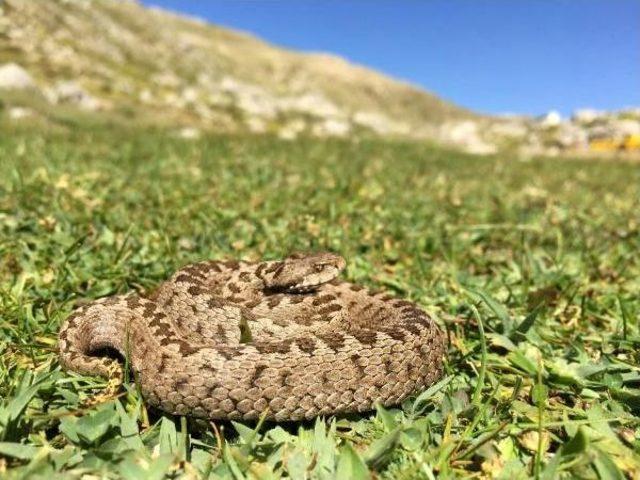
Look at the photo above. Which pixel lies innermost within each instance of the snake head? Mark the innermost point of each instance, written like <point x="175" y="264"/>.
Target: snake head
<point x="303" y="272"/>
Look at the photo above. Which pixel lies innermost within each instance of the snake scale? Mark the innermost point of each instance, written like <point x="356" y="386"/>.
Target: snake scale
<point x="237" y="340"/>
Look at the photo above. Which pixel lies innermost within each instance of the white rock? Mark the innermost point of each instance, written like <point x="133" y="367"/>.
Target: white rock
<point x="480" y="148"/>
<point x="314" y="104"/>
<point x="292" y="129"/>
<point x="379" y="123"/>
<point x="252" y="99"/>
<point x="256" y="125"/>
<point x="17" y="113"/>
<point x="331" y="128"/>
<point x="189" y="133"/>
<point x="14" y="77"/>
<point x="586" y="115"/>
<point x="551" y="119"/>
<point x="190" y="95"/>
<point x="532" y="146"/>
<point x="232" y="85"/>
<point x="72" y="93"/>
<point x="146" y="96"/>
<point x="466" y="135"/>
<point x="257" y="103"/>
<point x="286" y="134"/>
<point x="600" y="131"/>
<point x="626" y="127"/>
<point x="203" y="111"/>
<point x="573" y="136"/>
<point x="510" y="128"/>
<point x="166" y="79"/>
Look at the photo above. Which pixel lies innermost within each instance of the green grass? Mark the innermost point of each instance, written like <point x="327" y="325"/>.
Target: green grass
<point x="532" y="268"/>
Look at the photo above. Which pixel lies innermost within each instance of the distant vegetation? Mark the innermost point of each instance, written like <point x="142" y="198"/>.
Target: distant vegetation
<point x="531" y="267"/>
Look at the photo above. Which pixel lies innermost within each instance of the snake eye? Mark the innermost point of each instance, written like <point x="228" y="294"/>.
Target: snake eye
<point x="319" y="267"/>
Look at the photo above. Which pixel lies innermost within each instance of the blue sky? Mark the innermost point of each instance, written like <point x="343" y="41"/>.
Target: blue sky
<point x="493" y="56"/>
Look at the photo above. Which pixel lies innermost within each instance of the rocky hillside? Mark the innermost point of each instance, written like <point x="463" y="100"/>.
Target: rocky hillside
<point x="146" y="65"/>
<point x="120" y="62"/>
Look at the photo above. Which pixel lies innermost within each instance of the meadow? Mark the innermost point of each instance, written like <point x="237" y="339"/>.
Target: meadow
<point x="531" y="266"/>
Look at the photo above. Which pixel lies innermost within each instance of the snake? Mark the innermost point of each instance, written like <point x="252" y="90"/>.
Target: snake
<point x="282" y="340"/>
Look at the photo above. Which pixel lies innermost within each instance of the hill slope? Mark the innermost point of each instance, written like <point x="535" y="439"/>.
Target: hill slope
<point x="154" y="66"/>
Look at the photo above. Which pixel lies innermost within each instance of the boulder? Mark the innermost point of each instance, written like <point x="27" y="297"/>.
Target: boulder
<point x="550" y="119"/>
<point x="379" y="123"/>
<point x="14" y="77"/>
<point x="466" y="135"/>
<point x="72" y="93"/>
<point x="256" y="124"/>
<point x="586" y="115"/>
<point x="572" y="136"/>
<point x="189" y="133"/>
<point x="292" y="129"/>
<point x="625" y="127"/>
<point x="314" y="104"/>
<point x="18" y="113"/>
<point x="332" y="128"/>
<point x="509" y="128"/>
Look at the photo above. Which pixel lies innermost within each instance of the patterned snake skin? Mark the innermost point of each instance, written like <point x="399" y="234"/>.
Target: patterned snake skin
<point x="236" y="340"/>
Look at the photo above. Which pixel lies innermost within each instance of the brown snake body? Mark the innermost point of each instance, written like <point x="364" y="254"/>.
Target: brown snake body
<point x="237" y="340"/>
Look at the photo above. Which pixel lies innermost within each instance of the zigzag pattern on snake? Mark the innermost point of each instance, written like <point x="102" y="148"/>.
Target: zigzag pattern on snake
<point x="236" y="340"/>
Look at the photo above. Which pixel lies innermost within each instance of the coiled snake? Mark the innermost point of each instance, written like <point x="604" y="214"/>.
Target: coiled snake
<point x="237" y="340"/>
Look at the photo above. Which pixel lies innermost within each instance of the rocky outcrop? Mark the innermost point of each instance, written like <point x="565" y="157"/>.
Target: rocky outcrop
<point x="468" y="136"/>
<point x="585" y="131"/>
<point x="70" y="92"/>
<point x="589" y="129"/>
<point x="14" y="77"/>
